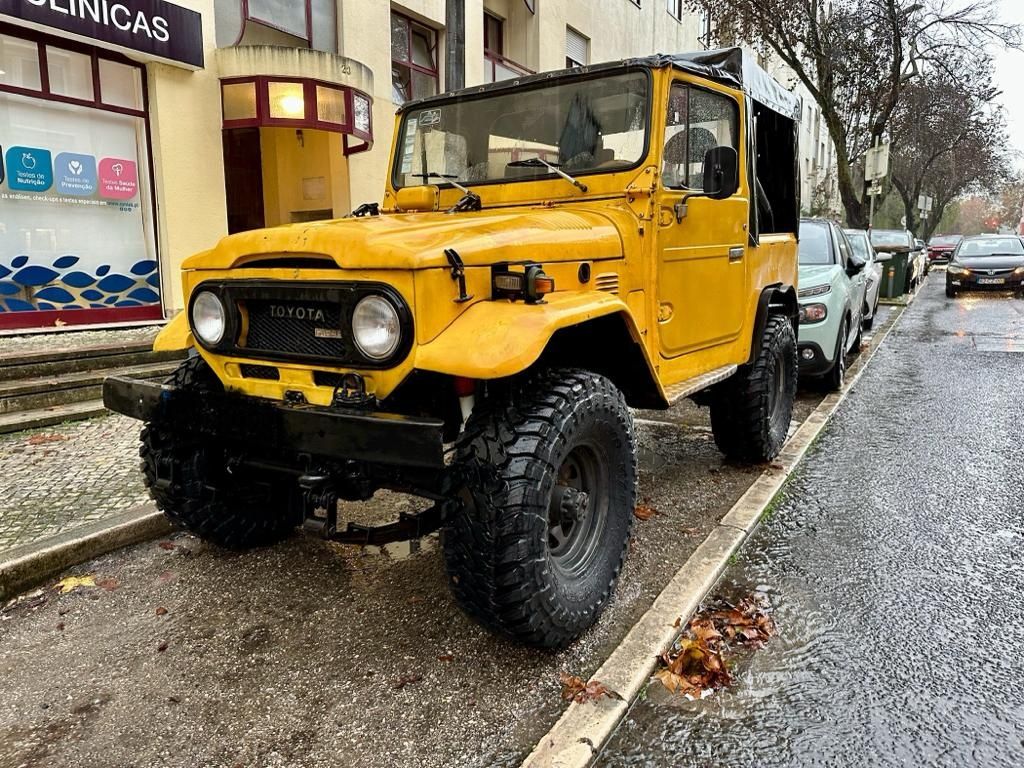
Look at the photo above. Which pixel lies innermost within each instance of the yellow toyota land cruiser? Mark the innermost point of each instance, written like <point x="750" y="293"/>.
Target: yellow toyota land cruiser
<point x="550" y="252"/>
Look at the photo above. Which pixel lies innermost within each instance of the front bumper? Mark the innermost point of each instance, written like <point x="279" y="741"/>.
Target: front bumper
<point x="263" y="425"/>
<point x="813" y="361"/>
<point x="972" y="282"/>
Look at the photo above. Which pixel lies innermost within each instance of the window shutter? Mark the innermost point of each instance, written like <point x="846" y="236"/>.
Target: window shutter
<point x="577" y="47"/>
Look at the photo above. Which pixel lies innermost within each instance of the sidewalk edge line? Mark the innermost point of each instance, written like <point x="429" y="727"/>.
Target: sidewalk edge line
<point x="23" y="567"/>
<point x="582" y="731"/>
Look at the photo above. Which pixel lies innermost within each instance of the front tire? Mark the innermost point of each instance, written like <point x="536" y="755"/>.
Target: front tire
<point x="751" y="412"/>
<point x="836" y="377"/>
<point x="535" y="550"/>
<point x="187" y="475"/>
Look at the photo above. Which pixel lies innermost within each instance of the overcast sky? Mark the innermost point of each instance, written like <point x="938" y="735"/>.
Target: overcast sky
<point x="1010" y="78"/>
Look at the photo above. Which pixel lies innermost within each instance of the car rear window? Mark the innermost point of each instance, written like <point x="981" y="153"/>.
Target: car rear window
<point x="991" y="246"/>
<point x="814" y="243"/>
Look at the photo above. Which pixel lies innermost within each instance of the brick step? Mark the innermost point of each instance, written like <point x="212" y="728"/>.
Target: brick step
<point x="47" y="417"/>
<point x="62" y="389"/>
<point x="32" y="365"/>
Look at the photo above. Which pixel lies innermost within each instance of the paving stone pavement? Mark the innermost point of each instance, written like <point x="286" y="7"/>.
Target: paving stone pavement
<point x="42" y="342"/>
<point x="55" y="478"/>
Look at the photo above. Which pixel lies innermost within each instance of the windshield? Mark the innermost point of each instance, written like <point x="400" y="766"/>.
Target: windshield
<point x="859" y="241"/>
<point x="945" y="240"/>
<point x="991" y="246"/>
<point x="890" y="239"/>
<point x="814" y="243"/>
<point x="579" y="126"/>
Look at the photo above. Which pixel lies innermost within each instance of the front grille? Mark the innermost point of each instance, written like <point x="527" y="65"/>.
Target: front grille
<point x="268" y="372"/>
<point x="300" y="328"/>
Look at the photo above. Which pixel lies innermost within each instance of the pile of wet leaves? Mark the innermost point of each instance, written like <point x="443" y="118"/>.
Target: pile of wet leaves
<point x="697" y="664"/>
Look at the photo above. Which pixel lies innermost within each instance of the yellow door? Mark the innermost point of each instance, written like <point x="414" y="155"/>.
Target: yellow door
<point x="702" y="268"/>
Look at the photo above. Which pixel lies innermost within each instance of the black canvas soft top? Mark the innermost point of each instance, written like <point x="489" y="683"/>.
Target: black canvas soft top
<point x="734" y="67"/>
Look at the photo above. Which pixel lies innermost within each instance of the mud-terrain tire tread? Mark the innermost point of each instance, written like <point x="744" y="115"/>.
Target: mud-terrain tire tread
<point x="495" y="546"/>
<point x="740" y="406"/>
<point x="212" y="508"/>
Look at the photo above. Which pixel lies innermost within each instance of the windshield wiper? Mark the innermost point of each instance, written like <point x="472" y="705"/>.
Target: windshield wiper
<point x="536" y="162"/>
<point x="470" y="200"/>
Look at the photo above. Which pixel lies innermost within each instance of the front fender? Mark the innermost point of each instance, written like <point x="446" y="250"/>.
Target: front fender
<point x="175" y="336"/>
<point x="495" y="339"/>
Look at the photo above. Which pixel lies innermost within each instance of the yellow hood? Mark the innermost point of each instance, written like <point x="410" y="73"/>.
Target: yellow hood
<point x="418" y="240"/>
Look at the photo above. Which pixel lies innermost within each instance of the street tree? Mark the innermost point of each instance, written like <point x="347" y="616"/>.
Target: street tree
<point x="948" y="137"/>
<point x="857" y="57"/>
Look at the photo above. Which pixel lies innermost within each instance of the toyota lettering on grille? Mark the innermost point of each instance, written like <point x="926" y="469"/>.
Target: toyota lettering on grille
<point x="297" y="313"/>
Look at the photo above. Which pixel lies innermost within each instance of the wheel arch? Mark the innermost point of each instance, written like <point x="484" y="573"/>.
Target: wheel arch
<point x="776" y="299"/>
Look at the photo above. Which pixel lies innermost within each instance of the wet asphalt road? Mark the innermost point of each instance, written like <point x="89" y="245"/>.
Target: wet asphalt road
<point x="894" y="566"/>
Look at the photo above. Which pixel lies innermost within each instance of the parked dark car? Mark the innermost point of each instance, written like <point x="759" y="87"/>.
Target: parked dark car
<point x="941" y="247"/>
<point x="986" y="261"/>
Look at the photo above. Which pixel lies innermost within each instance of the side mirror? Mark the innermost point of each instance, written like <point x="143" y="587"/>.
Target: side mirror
<point x="721" y="172"/>
<point x="855" y="266"/>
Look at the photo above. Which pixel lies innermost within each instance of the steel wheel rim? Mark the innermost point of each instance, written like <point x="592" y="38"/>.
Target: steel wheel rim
<point x="578" y="510"/>
<point x="777" y="393"/>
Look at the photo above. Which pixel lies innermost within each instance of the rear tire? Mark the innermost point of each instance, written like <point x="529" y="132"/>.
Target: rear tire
<point x="536" y="549"/>
<point x="187" y="476"/>
<point x="751" y="412"/>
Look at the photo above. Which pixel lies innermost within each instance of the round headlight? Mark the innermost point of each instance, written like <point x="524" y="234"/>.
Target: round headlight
<point x="376" y="327"/>
<point x="208" y="318"/>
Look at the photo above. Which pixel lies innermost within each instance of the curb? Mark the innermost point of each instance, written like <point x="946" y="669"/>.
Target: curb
<point x="583" y="729"/>
<point x="28" y="565"/>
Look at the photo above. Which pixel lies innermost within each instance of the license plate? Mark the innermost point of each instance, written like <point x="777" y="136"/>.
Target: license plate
<point x="991" y="280"/>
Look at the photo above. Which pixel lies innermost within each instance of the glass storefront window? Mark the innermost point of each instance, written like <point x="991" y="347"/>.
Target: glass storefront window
<point x="330" y="105"/>
<point x="239" y="101"/>
<point x="287" y="101"/>
<point x="19" y="63"/>
<point x="361" y="108"/>
<point x="120" y="84"/>
<point x="70" y="73"/>
<point x="76" y="214"/>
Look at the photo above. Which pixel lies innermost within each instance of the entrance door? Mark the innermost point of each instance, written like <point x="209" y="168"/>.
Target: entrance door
<point x="702" y="270"/>
<point x="243" y="179"/>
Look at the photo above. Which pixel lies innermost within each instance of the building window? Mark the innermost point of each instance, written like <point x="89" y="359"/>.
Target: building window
<point x="77" y="241"/>
<point x="413" y="59"/>
<point x="675" y="9"/>
<point x="496" y="66"/>
<point x="577" y="49"/>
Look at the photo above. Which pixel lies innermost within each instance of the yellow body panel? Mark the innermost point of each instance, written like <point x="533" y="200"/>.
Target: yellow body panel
<point x="175" y="335"/>
<point x="687" y="290"/>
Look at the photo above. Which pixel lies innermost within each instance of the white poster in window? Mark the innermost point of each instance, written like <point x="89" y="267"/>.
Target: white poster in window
<point x="75" y="212"/>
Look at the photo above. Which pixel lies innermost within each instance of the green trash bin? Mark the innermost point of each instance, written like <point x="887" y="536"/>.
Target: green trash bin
<point x="894" y="275"/>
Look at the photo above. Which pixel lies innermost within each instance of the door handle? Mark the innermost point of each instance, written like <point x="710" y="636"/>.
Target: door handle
<point x="735" y="254"/>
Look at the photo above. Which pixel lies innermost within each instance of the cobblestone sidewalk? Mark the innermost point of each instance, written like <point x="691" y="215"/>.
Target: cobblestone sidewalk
<point x="43" y="342"/>
<point x="59" y="477"/>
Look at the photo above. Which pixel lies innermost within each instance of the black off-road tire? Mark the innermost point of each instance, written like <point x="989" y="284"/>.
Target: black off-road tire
<point x="751" y="412"/>
<point x="508" y="566"/>
<point x="187" y="477"/>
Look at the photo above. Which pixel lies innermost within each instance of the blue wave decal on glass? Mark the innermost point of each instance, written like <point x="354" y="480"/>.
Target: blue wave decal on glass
<point x="128" y="304"/>
<point x="8" y="289"/>
<point x="44" y="305"/>
<point x="154" y="280"/>
<point x="101" y="271"/>
<point x="145" y="295"/>
<point x="78" y="279"/>
<point x="19" y="261"/>
<point x="4" y="271"/>
<point x="92" y="294"/>
<point x="143" y="267"/>
<point x="55" y="293"/>
<point x="17" y="305"/>
<point x="66" y="261"/>
<point x="34" y="275"/>
<point x="115" y="283"/>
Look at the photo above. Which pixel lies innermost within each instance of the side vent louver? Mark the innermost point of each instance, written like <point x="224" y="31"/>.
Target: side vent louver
<point x="607" y="282"/>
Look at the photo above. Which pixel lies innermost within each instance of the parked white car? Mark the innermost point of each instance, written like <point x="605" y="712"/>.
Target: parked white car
<point x="861" y="244"/>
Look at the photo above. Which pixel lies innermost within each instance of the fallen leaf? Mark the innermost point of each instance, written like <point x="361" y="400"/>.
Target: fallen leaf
<point x="446" y="657"/>
<point x="161" y="611"/>
<point x="70" y="583"/>
<point x="60" y="626"/>
<point x="162" y="647"/>
<point x="168" y="545"/>
<point x="44" y="439"/>
<point x="167" y="577"/>
<point x="405" y="680"/>
<point x="577" y="689"/>
<point x="644" y="512"/>
<point x="109" y="584"/>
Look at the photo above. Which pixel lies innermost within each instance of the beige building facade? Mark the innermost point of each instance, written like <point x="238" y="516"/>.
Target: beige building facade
<point x="134" y="133"/>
